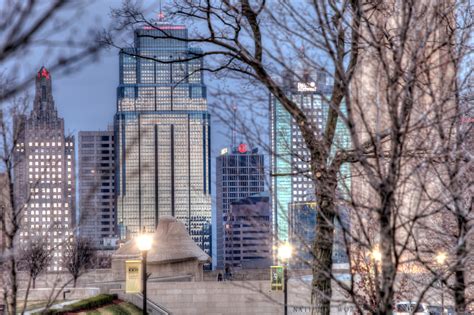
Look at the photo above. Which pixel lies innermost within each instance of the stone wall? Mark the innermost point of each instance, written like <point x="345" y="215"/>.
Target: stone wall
<point x="213" y="298"/>
<point x="236" y="297"/>
<point x="103" y="279"/>
<point x="44" y="294"/>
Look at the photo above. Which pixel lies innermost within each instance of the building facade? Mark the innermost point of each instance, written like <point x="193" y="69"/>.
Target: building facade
<point x="292" y="182"/>
<point x="162" y="134"/>
<point x="239" y="174"/>
<point x="301" y="234"/>
<point x="96" y="187"/>
<point x="248" y="233"/>
<point x="45" y="172"/>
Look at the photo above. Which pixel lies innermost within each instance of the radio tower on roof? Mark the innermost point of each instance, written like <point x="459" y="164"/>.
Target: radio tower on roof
<point x="161" y="15"/>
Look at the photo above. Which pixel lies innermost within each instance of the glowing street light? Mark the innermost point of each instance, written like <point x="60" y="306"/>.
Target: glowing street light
<point x="144" y="242"/>
<point x="441" y="258"/>
<point x="376" y="255"/>
<point x="285" y="251"/>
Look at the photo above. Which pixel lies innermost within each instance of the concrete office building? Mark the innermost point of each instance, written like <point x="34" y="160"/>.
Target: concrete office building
<point x="45" y="172"/>
<point x="239" y="174"/>
<point x="248" y="233"/>
<point x="96" y="187"/>
<point x="162" y="135"/>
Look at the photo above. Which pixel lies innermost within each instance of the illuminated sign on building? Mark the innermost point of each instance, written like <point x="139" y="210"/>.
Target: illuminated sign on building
<point x="242" y="148"/>
<point x="224" y="151"/>
<point x="306" y="87"/>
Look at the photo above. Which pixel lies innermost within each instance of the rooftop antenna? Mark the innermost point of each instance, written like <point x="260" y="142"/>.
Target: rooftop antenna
<point x="234" y="126"/>
<point x="161" y="16"/>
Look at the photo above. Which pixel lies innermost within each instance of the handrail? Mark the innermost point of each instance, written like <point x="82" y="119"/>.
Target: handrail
<point x="137" y="300"/>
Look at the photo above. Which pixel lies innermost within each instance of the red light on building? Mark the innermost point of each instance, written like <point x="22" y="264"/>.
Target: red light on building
<point x="43" y="73"/>
<point x="242" y="148"/>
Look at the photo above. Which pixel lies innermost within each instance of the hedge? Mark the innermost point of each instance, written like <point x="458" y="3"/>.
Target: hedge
<point x="87" y="304"/>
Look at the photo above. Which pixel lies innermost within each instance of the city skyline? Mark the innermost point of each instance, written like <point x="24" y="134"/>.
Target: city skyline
<point x="242" y="157"/>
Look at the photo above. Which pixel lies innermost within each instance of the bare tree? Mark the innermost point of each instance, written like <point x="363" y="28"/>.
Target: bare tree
<point x="11" y="213"/>
<point x="77" y="257"/>
<point x="46" y="29"/>
<point x="234" y="34"/>
<point x="393" y="85"/>
<point x="34" y="258"/>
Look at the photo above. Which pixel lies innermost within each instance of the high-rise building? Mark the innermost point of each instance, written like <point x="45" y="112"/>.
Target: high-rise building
<point x="162" y="134"/>
<point x="248" y="233"/>
<point x="45" y="171"/>
<point x="239" y="174"/>
<point x="301" y="233"/>
<point x="292" y="182"/>
<point x="96" y="187"/>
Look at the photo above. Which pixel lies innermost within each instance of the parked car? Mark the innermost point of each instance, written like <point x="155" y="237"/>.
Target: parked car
<point x="450" y="310"/>
<point x="436" y="310"/>
<point x="408" y="308"/>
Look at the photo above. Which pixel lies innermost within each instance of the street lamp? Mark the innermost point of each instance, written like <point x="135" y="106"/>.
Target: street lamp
<point x="144" y="242"/>
<point x="440" y="260"/>
<point x="376" y="255"/>
<point x="284" y="254"/>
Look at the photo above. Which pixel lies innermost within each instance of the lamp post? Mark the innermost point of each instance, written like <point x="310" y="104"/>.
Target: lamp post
<point x="144" y="245"/>
<point x="440" y="260"/>
<point x="284" y="254"/>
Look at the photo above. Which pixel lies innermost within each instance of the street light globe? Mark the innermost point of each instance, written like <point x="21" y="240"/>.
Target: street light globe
<point x="441" y="258"/>
<point x="376" y="254"/>
<point x="144" y="242"/>
<point x="285" y="251"/>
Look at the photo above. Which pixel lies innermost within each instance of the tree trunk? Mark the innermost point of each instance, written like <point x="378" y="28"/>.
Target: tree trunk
<point x="386" y="292"/>
<point x="459" y="275"/>
<point x="323" y="244"/>
<point x="34" y="283"/>
<point x="11" y="301"/>
<point x="25" y="300"/>
<point x="386" y="246"/>
<point x="74" y="282"/>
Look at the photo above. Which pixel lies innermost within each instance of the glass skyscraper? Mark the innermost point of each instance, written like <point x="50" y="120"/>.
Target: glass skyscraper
<point x="292" y="184"/>
<point x="162" y="134"/>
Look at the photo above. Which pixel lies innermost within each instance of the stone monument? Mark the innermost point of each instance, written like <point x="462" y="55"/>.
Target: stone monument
<point x="174" y="256"/>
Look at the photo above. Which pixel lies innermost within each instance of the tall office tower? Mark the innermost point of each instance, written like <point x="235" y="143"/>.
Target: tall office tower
<point x="44" y="171"/>
<point x="248" y="233"/>
<point x="292" y="183"/>
<point x="162" y="135"/>
<point x="239" y="174"/>
<point x="96" y="187"/>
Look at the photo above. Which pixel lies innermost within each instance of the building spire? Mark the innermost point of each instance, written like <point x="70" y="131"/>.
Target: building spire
<point x="234" y="126"/>
<point x="43" y="107"/>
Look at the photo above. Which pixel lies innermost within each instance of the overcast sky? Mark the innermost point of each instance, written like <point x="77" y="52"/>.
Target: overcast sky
<point x="86" y="99"/>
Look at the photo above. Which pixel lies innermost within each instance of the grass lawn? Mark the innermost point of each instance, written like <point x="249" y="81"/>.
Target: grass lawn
<point x="31" y="305"/>
<point x="117" y="308"/>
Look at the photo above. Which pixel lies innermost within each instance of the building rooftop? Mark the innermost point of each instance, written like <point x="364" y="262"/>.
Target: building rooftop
<point x="171" y="243"/>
